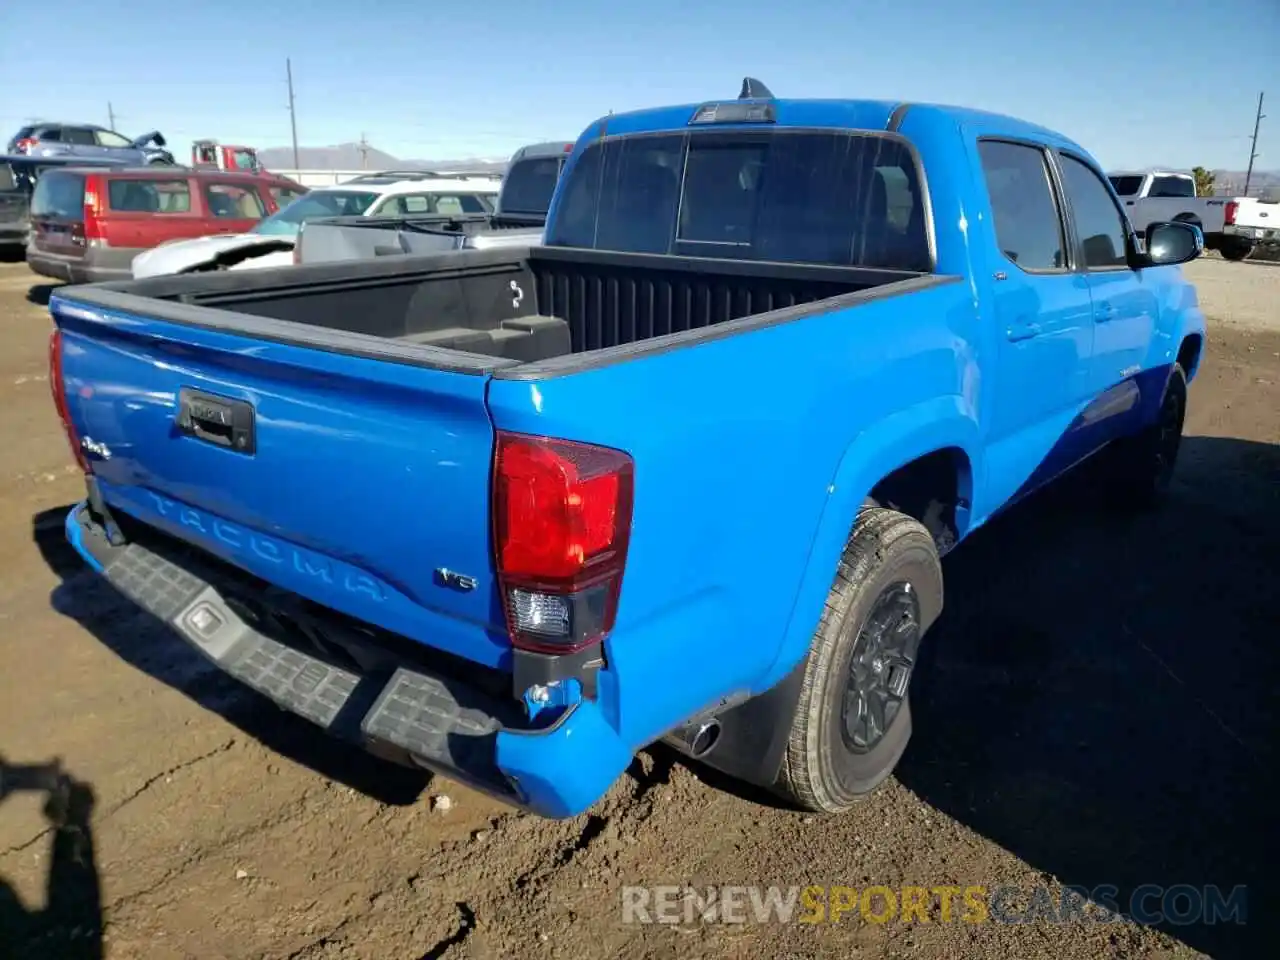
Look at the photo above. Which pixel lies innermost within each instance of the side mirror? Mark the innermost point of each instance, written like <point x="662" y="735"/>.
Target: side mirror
<point x="1172" y="242"/>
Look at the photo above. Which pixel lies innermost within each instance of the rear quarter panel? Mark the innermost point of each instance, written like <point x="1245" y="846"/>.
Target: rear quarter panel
<point x="745" y="484"/>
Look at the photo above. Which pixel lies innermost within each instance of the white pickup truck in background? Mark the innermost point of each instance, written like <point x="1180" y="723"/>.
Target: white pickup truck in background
<point x="1231" y="225"/>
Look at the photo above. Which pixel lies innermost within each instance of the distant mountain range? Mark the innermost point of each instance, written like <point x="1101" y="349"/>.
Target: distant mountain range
<point x="1262" y="183"/>
<point x="347" y="156"/>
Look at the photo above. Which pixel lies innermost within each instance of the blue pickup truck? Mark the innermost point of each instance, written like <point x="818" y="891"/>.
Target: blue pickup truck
<point x="682" y="474"/>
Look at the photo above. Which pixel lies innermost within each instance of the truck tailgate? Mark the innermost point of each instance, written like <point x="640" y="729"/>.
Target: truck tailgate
<point x="360" y="484"/>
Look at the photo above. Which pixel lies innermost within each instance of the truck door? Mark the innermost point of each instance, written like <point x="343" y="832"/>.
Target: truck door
<point x="1041" y="311"/>
<point x="1124" y="305"/>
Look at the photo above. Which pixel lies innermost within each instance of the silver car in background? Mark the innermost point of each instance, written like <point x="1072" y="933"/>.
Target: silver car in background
<point x="84" y="140"/>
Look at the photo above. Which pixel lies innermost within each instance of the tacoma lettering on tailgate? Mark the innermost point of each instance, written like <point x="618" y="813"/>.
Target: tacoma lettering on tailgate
<point x="273" y="551"/>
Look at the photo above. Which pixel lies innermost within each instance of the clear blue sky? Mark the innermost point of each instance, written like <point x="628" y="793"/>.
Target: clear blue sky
<point x="1138" y="82"/>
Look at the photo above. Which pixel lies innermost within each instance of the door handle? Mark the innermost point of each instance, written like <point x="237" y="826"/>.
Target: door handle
<point x="1023" y="330"/>
<point x="1104" y="312"/>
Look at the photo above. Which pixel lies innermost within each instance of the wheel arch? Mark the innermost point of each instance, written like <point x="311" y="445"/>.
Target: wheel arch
<point x="921" y="442"/>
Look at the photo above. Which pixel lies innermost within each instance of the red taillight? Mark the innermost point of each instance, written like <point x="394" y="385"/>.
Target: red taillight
<point x="1229" y="214"/>
<point x="562" y="519"/>
<point x="92" y="230"/>
<point x="59" y="391"/>
<point x="26" y="144"/>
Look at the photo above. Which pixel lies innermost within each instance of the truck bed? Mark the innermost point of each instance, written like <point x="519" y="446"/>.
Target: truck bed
<point x="495" y="309"/>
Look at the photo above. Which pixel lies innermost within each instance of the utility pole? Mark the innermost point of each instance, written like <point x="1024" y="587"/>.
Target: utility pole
<point x="293" y="118"/>
<point x="111" y="117"/>
<point x="1253" y="147"/>
<point x="364" y="152"/>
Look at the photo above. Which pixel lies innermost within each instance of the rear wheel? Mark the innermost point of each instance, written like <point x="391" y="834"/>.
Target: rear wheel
<point x="853" y="719"/>
<point x="1235" y="251"/>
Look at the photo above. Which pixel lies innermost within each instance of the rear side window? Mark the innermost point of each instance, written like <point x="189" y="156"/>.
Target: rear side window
<point x="233" y="201"/>
<point x="60" y="195"/>
<point x="529" y="185"/>
<point x="1172" y="187"/>
<point x="149" y="196"/>
<point x="459" y="203"/>
<point x="80" y="136"/>
<point x="1126" y="186"/>
<point x="828" y="198"/>
<point x="1028" y="225"/>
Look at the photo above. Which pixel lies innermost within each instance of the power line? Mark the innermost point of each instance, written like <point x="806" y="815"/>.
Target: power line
<point x="1253" y="146"/>
<point x="293" y="119"/>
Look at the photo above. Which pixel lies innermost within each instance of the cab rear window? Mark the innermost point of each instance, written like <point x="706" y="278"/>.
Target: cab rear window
<point x="135" y="195"/>
<point x="60" y="195"/>
<point x="845" y="199"/>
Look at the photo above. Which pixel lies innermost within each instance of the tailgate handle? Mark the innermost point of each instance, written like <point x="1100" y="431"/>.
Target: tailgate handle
<point x="221" y="421"/>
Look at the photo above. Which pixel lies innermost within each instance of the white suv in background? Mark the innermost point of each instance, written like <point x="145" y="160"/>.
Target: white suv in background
<point x="391" y="193"/>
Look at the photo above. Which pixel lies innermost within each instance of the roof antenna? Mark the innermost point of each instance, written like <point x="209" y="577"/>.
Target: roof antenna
<point x="753" y="89"/>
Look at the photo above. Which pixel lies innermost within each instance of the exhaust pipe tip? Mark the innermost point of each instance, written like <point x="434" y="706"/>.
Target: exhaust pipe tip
<point x="696" y="740"/>
<point x="705" y="738"/>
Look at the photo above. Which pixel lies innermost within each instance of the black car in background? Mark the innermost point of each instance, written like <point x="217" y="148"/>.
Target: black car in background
<point x="18" y="176"/>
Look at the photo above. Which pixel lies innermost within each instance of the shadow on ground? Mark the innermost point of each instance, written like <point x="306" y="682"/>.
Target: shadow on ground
<point x="69" y="925"/>
<point x="12" y="254"/>
<point x="1100" y="696"/>
<point x="149" y="645"/>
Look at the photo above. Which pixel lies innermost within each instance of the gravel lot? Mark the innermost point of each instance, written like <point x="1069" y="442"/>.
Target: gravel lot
<point x="1099" y="708"/>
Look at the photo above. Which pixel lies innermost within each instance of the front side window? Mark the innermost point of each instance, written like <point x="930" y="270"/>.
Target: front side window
<point x="1099" y="223"/>
<point x="826" y="198"/>
<point x="1028" y="226"/>
<point x="233" y="201"/>
<point x="107" y="138"/>
<point x="284" y="196"/>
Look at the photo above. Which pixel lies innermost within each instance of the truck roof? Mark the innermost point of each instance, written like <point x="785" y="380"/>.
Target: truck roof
<point x="871" y="115"/>
<point x="83" y="165"/>
<point x="550" y="148"/>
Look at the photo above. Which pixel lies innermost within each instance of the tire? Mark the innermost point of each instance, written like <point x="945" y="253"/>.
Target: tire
<point x="1143" y="465"/>
<point x="890" y="567"/>
<point x="1235" y="251"/>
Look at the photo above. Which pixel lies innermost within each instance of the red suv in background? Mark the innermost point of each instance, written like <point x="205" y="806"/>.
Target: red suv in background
<point x="88" y="223"/>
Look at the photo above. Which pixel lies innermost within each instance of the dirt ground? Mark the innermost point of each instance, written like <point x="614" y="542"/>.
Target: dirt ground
<point x="1099" y="707"/>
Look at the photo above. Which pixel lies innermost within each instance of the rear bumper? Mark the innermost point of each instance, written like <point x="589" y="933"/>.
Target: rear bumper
<point x="406" y="715"/>
<point x="1254" y="234"/>
<point x="95" y="266"/>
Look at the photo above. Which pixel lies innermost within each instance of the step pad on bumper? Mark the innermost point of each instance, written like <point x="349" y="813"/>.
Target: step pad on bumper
<point x="440" y="723"/>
